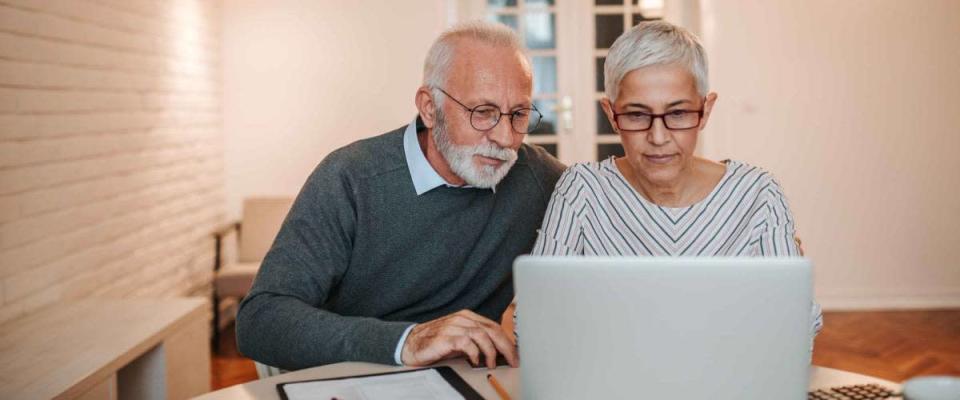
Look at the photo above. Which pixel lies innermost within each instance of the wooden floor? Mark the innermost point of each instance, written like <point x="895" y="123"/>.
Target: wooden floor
<point x="893" y="345"/>
<point x="227" y="366"/>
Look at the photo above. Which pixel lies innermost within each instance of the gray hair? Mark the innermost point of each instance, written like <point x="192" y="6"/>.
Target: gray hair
<point x="654" y="43"/>
<point x="439" y="58"/>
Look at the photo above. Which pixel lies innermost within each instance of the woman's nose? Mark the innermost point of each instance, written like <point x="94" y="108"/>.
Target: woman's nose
<point x="658" y="134"/>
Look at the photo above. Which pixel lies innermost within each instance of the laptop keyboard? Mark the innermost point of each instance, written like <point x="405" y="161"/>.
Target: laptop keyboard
<point x="855" y="392"/>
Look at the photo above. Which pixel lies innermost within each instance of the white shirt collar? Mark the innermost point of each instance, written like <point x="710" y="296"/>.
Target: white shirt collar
<point x="425" y="178"/>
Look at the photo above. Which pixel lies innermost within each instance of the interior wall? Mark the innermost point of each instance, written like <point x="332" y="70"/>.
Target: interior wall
<point x="111" y="158"/>
<point x="854" y="106"/>
<point x="303" y="78"/>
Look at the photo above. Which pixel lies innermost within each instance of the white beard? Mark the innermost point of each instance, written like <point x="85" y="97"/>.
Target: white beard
<point x="460" y="158"/>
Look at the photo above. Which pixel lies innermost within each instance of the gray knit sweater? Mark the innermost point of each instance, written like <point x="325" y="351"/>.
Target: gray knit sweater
<point x="360" y="256"/>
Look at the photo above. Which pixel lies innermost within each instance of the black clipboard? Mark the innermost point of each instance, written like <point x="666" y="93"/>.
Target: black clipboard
<point x="448" y="374"/>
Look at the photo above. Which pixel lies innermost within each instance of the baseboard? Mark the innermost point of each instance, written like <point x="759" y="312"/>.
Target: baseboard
<point x="863" y="299"/>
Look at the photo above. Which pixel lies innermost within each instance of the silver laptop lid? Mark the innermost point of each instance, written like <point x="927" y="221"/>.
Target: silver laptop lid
<point x="663" y="328"/>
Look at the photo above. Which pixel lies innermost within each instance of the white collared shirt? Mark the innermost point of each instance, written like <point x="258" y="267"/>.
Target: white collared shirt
<point x="425" y="178"/>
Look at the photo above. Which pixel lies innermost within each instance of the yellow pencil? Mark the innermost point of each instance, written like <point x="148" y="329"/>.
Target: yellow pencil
<point x="496" y="386"/>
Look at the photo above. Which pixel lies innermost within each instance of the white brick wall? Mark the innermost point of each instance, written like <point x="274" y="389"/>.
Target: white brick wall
<point x="111" y="153"/>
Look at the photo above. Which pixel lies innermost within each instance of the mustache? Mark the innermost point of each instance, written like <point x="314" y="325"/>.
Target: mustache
<point x="493" y="151"/>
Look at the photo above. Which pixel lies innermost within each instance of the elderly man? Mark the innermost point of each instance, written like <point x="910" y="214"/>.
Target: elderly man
<point x="399" y="247"/>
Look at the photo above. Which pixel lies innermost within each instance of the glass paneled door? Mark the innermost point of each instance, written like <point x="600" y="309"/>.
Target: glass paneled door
<point x="536" y="23"/>
<point x="567" y="41"/>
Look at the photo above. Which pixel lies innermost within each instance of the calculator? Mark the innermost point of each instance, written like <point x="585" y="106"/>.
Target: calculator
<point x="854" y="392"/>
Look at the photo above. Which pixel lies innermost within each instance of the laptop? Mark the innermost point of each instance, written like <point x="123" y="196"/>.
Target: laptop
<point x="663" y="327"/>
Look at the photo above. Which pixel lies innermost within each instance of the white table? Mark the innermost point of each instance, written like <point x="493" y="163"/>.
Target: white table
<point x="265" y="389"/>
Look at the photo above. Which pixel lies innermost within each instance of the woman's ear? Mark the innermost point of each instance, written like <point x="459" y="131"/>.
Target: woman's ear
<point x="608" y="109"/>
<point x="708" y="103"/>
<point x="425" y="106"/>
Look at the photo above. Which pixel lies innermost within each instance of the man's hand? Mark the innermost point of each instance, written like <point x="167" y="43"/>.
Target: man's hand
<point x="461" y="333"/>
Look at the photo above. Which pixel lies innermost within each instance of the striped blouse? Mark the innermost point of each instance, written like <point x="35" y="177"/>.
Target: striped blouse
<point x="595" y="211"/>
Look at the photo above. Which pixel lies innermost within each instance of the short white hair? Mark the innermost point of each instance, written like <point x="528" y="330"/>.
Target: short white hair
<point x="440" y="56"/>
<point x="654" y="43"/>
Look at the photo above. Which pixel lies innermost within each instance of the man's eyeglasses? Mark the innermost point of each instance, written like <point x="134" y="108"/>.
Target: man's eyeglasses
<point x="486" y="116"/>
<point x="636" y="121"/>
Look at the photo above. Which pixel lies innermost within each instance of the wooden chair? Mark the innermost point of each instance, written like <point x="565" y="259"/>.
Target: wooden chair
<point x="240" y="247"/>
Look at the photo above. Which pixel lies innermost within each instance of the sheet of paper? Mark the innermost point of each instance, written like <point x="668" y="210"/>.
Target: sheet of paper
<point x="424" y="384"/>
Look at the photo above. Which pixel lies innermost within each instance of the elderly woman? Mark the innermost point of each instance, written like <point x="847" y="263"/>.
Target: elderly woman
<point x="661" y="199"/>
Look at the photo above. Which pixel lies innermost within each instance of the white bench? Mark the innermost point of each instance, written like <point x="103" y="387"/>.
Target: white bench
<point x="108" y="349"/>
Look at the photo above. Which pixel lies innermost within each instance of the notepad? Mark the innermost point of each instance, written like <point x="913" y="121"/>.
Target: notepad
<point x="439" y="383"/>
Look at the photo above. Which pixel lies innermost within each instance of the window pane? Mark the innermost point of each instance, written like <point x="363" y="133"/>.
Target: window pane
<point x="540" y="30"/>
<point x="544" y="75"/>
<point x="550" y="148"/>
<point x="501" y="3"/>
<point x="603" y="125"/>
<point x="539" y="2"/>
<point x="605" y="150"/>
<point x="609" y="28"/>
<point x="548" y="125"/>
<point x="599" y="73"/>
<point x="508" y="20"/>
